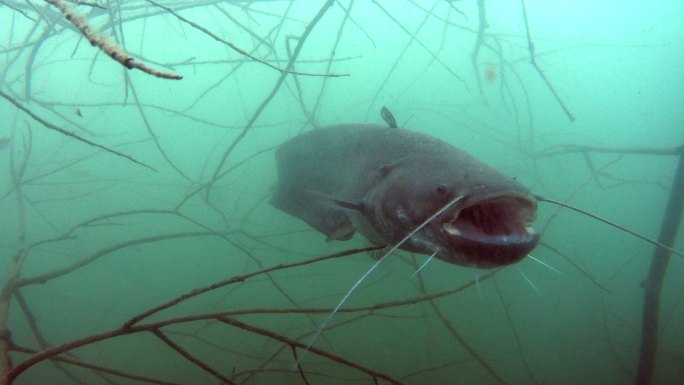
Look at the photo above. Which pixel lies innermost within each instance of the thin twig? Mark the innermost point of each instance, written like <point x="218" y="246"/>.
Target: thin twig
<point x="413" y="37"/>
<point x="180" y="350"/>
<point x="43" y="278"/>
<point x="479" y="40"/>
<point x="69" y="133"/>
<point x="516" y="335"/>
<point x="577" y="267"/>
<point x="533" y="61"/>
<point x="274" y="91"/>
<point x="285" y="340"/>
<point x="38" y="335"/>
<point x="129" y="329"/>
<point x="153" y="135"/>
<point x="239" y="278"/>
<point x="420" y="43"/>
<point x="576" y="148"/>
<point x="299" y="364"/>
<point x="96" y="368"/>
<point x="237" y="49"/>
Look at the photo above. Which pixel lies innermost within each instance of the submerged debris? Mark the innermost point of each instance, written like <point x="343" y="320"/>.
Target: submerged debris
<point x="5" y="143"/>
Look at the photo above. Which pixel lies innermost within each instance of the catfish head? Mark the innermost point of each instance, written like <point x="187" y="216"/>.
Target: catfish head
<point x="487" y="225"/>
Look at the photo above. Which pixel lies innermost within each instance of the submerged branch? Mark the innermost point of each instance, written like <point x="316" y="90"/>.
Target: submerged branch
<point x="576" y="148"/>
<point x="295" y="54"/>
<point x="235" y="47"/>
<point x="653" y="284"/>
<point x="69" y="133"/>
<point x="479" y="41"/>
<point x="420" y="43"/>
<point x="185" y="354"/>
<point x="579" y="268"/>
<point x="227" y="317"/>
<point x="296" y="344"/>
<point x="239" y="278"/>
<point x="533" y="61"/>
<point x="96" y="39"/>
<point x="97" y="368"/>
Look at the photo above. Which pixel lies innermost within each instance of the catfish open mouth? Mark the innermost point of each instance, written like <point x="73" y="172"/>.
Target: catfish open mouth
<point x="494" y="231"/>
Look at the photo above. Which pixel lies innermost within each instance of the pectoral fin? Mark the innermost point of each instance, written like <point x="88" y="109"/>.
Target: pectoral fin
<point x="343" y="203"/>
<point x="321" y="213"/>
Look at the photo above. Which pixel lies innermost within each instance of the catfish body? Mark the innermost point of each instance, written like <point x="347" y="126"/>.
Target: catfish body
<point x="385" y="182"/>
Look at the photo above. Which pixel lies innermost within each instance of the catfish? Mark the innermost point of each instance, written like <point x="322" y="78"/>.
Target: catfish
<point x="401" y="187"/>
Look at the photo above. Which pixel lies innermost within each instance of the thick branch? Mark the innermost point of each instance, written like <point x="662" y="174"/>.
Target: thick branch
<point x="96" y="39"/>
<point x="654" y="282"/>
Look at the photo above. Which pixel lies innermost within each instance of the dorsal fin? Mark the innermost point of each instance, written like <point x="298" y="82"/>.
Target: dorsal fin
<point x="388" y="117"/>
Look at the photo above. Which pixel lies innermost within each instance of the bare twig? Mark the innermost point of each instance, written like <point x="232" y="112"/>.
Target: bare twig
<point x="479" y="41"/>
<point x="129" y="329"/>
<point x="239" y="278"/>
<point x="576" y="148"/>
<point x="413" y="37"/>
<point x="274" y="90"/>
<point x="420" y="43"/>
<point x="38" y="335"/>
<point x="533" y="61"/>
<point x="69" y="133"/>
<point x="577" y="267"/>
<point x="153" y="135"/>
<point x="43" y="278"/>
<point x="12" y="274"/>
<point x="297" y="344"/>
<point x="96" y="368"/>
<point x="236" y="48"/>
<point x="516" y="335"/>
<point x="180" y="350"/>
<point x="299" y="365"/>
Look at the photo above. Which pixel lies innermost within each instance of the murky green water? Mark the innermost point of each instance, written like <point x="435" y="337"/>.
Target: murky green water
<point x="90" y="239"/>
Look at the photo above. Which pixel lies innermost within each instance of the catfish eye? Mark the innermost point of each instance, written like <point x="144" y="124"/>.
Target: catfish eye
<point x="441" y="189"/>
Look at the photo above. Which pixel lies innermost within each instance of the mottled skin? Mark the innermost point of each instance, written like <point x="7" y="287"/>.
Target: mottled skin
<point x="383" y="182"/>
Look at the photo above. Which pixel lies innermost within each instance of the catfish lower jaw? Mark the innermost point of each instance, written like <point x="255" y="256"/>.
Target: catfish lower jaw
<point x="490" y="232"/>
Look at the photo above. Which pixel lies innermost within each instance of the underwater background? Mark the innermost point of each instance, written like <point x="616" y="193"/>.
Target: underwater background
<point x="121" y="191"/>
